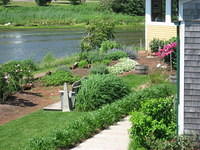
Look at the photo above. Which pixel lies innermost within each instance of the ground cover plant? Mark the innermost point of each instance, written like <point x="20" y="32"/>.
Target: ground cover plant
<point x="59" y="78"/>
<point x="99" y="90"/>
<point x="99" y="69"/>
<point x="124" y="65"/>
<point x="27" y="13"/>
<point x="86" y="126"/>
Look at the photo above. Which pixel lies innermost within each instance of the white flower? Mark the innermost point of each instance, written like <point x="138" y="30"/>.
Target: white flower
<point x="158" y="65"/>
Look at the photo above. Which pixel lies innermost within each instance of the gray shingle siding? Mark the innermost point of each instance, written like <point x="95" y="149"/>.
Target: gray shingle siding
<point x="192" y="68"/>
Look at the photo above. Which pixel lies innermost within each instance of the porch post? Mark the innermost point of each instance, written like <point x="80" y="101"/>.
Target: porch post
<point x="168" y="11"/>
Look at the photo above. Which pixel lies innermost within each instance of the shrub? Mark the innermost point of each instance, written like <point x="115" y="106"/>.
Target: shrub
<point x="157" y="77"/>
<point x="97" y="32"/>
<point x="99" y="90"/>
<point x="156" y="44"/>
<point x="4" y="2"/>
<point x="106" y="61"/>
<point x="83" y="64"/>
<point x="47" y="60"/>
<point x="133" y="54"/>
<point x="107" y="45"/>
<point x="14" y="75"/>
<point x="115" y="55"/>
<point x="99" y="69"/>
<point x="155" y="121"/>
<point x="59" y="78"/>
<point x="42" y="2"/>
<point x="75" y="2"/>
<point x="87" y="125"/>
<point x="131" y="7"/>
<point x="124" y="65"/>
<point x="91" y="57"/>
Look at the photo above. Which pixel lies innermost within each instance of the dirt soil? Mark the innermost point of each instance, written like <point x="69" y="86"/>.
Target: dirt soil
<point x="38" y="97"/>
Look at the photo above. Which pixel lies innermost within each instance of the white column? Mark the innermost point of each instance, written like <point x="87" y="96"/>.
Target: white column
<point x="168" y="11"/>
<point x="148" y="11"/>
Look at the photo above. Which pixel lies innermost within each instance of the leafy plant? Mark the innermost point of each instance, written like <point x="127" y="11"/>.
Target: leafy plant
<point x="157" y="77"/>
<point x="99" y="69"/>
<point x="107" y="45"/>
<point x="4" y="2"/>
<point x="124" y="65"/>
<point x="48" y="60"/>
<point x="99" y="90"/>
<point x="83" y="64"/>
<point x="97" y="32"/>
<point x="150" y="125"/>
<point x="115" y="55"/>
<point x="156" y="44"/>
<point x="42" y="2"/>
<point x="59" y="78"/>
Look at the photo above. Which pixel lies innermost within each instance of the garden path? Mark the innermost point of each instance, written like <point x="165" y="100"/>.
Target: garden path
<point x="116" y="137"/>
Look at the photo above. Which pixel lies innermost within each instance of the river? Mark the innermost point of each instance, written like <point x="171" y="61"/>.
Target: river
<point x="36" y="43"/>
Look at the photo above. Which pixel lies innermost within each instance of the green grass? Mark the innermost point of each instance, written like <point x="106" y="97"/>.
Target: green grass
<point x="133" y="81"/>
<point x="28" y="14"/>
<point x="16" y="134"/>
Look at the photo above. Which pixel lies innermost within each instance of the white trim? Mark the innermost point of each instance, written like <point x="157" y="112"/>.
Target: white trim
<point x="168" y="11"/>
<point x="182" y="64"/>
<point x="161" y="24"/>
<point x="148" y="11"/>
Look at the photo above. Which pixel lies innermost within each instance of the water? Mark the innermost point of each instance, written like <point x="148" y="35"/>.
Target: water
<point x="35" y="43"/>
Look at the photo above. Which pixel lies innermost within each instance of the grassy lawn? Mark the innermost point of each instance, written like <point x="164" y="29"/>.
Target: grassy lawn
<point x="15" y="134"/>
<point x="133" y="81"/>
<point x="28" y="13"/>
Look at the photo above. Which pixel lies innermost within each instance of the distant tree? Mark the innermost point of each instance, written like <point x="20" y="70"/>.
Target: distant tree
<point x="42" y="2"/>
<point x="4" y="2"/>
<point x="131" y="7"/>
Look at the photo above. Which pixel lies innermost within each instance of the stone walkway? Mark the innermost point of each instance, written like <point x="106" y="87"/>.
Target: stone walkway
<point x="116" y="137"/>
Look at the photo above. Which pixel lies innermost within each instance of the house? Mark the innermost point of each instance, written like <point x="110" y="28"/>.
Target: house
<point x="160" y="15"/>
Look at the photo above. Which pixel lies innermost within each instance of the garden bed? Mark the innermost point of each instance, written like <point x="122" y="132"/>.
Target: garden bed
<point x="29" y="101"/>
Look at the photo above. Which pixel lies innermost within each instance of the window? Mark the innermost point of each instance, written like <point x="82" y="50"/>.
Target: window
<point x="158" y="10"/>
<point x="174" y="10"/>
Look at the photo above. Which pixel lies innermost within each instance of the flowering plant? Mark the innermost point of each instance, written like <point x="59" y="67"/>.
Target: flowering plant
<point x="168" y="53"/>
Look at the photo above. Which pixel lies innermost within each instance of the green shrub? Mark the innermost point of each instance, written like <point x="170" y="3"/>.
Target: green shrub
<point x="157" y="77"/>
<point x="4" y="2"/>
<point x="92" y="56"/>
<point x="124" y="65"/>
<point x="47" y="60"/>
<point x="97" y="32"/>
<point x="14" y="75"/>
<point x="115" y="55"/>
<point x="156" y="44"/>
<point x="99" y="90"/>
<point x="75" y="2"/>
<point x="83" y="64"/>
<point x="99" y="69"/>
<point x="59" y="78"/>
<point x="155" y="121"/>
<point x="42" y="2"/>
<point x="106" y="61"/>
<point x="131" y="7"/>
<point x="107" y="45"/>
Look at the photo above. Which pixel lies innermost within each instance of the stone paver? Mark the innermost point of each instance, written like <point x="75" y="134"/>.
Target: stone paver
<point x="116" y="137"/>
<point x="55" y="106"/>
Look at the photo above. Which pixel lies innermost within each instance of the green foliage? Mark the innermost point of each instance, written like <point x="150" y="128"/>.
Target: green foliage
<point x="115" y="55"/>
<point x="75" y="2"/>
<point x="124" y="65"/>
<point x="157" y="77"/>
<point x="99" y="69"/>
<point x="107" y="45"/>
<point x="87" y="125"/>
<point x="154" y="121"/>
<point x="83" y="64"/>
<point x="48" y="59"/>
<point x="59" y="78"/>
<point x="156" y="44"/>
<point x="97" y="32"/>
<point x="178" y="143"/>
<point x="99" y="90"/>
<point x="131" y="7"/>
<point x="42" y="2"/>
<point x="14" y="75"/>
<point x="4" y="2"/>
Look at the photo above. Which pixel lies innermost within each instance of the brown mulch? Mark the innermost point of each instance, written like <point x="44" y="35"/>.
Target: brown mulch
<point x="29" y="101"/>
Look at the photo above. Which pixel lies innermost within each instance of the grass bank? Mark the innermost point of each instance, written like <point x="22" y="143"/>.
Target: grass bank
<point x="16" y="134"/>
<point x="28" y="14"/>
